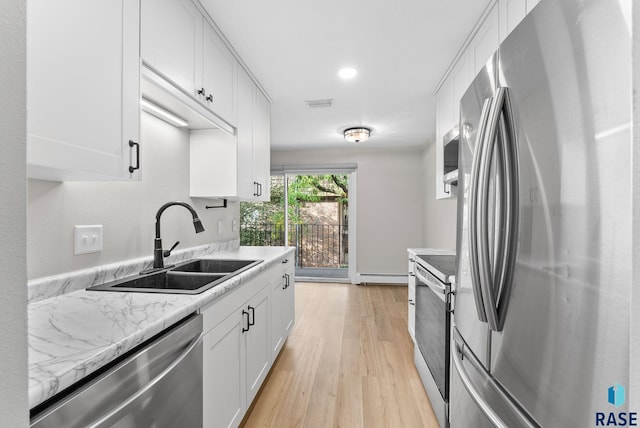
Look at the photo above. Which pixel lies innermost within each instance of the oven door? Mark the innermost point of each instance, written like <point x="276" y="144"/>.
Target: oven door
<point x="433" y="327"/>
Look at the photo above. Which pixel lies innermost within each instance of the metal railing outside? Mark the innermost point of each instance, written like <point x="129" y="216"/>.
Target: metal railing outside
<point x="317" y="245"/>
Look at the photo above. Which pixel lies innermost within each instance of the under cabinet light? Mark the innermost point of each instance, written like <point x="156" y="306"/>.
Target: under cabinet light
<point x="162" y="114"/>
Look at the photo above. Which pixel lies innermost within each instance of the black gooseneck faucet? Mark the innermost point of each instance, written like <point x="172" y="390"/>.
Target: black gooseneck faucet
<point x="158" y="253"/>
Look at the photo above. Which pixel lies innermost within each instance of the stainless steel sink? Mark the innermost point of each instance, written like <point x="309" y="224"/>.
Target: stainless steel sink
<point x="191" y="277"/>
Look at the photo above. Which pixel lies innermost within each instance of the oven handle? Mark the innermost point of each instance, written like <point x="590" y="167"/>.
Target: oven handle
<point x="435" y="286"/>
<point x="124" y="407"/>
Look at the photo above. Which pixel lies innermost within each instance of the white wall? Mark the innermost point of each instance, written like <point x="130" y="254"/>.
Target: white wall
<point x="126" y="210"/>
<point x="14" y="407"/>
<point x="390" y="191"/>
<point x="439" y="215"/>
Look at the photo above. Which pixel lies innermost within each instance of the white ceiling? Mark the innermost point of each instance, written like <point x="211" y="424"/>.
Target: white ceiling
<point x="400" y="49"/>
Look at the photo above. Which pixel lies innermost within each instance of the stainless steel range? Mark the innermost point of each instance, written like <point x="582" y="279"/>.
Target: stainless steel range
<point x="434" y="275"/>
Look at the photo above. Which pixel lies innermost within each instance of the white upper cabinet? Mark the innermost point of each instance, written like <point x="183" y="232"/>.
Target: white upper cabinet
<point x="171" y="39"/>
<point x="218" y="75"/>
<point x="235" y="167"/>
<point x="486" y="41"/>
<point x="246" y="101"/>
<point x="511" y="13"/>
<point x="180" y="44"/>
<point x="262" y="147"/>
<point x="83" y="89"/>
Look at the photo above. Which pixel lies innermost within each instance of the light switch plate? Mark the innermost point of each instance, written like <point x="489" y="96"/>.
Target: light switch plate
<point x="87" y="239"/>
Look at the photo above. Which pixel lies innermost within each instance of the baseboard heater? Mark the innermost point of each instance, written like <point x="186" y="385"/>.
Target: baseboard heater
<point x="381" y="278"/>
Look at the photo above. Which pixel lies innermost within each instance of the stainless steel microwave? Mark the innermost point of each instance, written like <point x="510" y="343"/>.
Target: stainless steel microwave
<point x="450" y="156"/>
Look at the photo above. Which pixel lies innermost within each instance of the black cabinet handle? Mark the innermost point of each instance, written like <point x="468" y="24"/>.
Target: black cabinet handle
<point x="259" y="189"/>
<point x="201" y="91"/>
<point x="287" y="281"/>
<point x="253" y="315"/>
<point x="411" y="302"/>
<point x="255" y="185"/>
<point x="285" y="261"/>
<point x="209" y="98"/>
<point x="244" y="329"/>
<point x="137" y="146"/>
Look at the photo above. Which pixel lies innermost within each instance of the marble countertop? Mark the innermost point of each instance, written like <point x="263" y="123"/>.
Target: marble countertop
<point x="74" y="334"/>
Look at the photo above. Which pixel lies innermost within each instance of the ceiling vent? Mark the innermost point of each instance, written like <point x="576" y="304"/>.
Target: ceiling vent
<point x="319" y="103"/>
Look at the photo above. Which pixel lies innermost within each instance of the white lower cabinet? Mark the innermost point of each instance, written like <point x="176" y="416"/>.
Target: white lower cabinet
<point x="283" y="306"/>
<point x="257" y="341"/>
<point x="238" y="344"/>
<point x="224" y="374"/>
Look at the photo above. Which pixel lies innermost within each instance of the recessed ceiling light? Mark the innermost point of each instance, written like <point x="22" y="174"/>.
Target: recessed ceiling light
<point x="347" y="73"/>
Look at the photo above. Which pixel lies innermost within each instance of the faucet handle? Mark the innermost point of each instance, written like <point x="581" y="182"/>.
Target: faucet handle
<point x="167" y="253"/>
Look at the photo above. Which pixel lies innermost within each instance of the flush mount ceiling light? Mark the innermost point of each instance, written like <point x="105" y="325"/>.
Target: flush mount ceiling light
<point x="347" y="73"/>
<point x="356" y="135"/>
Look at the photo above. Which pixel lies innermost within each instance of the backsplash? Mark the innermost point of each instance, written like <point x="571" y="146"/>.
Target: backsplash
<point x="56" y="285"/>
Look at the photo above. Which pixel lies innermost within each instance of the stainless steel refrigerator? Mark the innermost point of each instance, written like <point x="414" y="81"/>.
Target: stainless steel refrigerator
<point x="543" y="269"/>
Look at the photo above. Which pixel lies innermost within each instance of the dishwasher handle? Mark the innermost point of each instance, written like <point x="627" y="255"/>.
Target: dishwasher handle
<point x="126" y="405"/>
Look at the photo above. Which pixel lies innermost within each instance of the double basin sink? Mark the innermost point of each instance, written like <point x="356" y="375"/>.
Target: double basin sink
<point x="192" y="277"/>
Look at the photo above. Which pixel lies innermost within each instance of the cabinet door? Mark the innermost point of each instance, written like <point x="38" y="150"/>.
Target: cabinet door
<point x="511" y="13"/>
<point x="83" y="88"/>
<point x="262" y="146"/>
<point x="289" y="303"/>
<point x="218" y="75"/>
<point x="258" y="342"/>
<point x="485" y="42"/>
<point x="212" y="167"/>
<point x="224" y="371"/>
<point x="171" y="40"/>
<point x="277" y="315"/>
<point x="246" y="101"/>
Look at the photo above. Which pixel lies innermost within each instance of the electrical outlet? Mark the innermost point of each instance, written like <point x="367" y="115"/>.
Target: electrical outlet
<point x="234" y="225"/>
<point x="220" y="227"/>
<point x="87" y="239"/>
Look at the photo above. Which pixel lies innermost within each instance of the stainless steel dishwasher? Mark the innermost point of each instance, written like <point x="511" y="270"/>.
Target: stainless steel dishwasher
<point x="158" y="385"/>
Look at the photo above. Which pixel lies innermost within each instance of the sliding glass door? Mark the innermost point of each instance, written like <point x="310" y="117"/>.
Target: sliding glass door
<point x="309" y="211"/>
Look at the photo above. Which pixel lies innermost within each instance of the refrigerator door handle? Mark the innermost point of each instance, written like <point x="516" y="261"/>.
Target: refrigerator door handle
<point x="509" y="146"/>
<point x="496" y="283"/>
<point x="457" y="355"/>
<point x="473" y="211"/>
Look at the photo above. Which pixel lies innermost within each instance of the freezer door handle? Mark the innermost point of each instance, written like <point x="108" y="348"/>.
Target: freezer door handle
<point x="457" y="355"/>
<point x="511" y="414"/>
<point x="473" y="211"/>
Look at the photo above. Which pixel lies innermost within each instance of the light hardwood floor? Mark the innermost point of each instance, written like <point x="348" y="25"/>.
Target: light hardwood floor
<point x="347" y="363"/>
